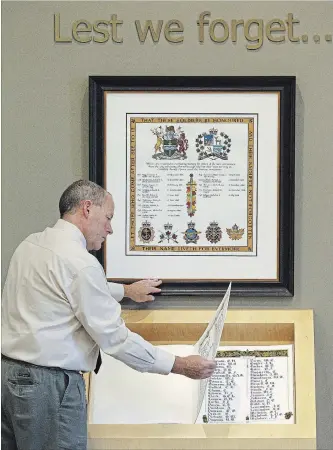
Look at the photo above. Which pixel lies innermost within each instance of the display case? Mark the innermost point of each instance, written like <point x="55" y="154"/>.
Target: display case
<point x="242" y="328"/>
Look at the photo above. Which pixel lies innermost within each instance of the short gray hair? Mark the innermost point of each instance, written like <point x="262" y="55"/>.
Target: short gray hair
<point x="77" y="192"/>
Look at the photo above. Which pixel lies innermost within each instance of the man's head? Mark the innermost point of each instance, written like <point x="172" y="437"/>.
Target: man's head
<point x="90" y="208"/>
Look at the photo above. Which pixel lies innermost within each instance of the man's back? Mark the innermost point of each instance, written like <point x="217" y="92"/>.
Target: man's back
<point x="38" y="322"/>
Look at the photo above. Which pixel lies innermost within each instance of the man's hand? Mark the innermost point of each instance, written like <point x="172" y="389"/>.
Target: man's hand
<point x="141" y="291"/>
<point x="194" y="366"/>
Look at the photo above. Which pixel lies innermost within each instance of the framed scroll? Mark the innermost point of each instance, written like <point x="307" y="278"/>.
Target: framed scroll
<point x="201" y="170"/>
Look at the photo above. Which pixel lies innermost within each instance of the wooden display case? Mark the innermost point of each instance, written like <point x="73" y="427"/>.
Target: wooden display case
<point x="242" y="327"/>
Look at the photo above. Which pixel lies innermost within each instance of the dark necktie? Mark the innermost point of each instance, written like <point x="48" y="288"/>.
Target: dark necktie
<point x="98" y="363"/>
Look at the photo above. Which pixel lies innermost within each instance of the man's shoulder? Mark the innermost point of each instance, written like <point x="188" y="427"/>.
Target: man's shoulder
<point x="65" y="249"/>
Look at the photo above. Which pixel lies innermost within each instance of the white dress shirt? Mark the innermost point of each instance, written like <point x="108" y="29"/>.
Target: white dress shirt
<point x="58" y="308"/>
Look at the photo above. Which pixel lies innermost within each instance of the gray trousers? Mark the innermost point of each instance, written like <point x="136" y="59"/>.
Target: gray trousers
<point x="42" y="408"/>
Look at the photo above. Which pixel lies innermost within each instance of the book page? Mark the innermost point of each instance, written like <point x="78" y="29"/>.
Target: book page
<point x="251" y="385"/>
<point x="122" y="395"/>
<point x="207" y="347"/>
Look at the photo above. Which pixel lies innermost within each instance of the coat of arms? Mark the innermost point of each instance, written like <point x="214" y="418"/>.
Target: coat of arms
<point x="191" y="235"/>
<point x="235" y="233"/>
<point x="213" y="232"/>
<point x="170" y="143"/>
<point x="146" y="233"/>
<point x="168" y="234"/>
<point x="213" y="145"/>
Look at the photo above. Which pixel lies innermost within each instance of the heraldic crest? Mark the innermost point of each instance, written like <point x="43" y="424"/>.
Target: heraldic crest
<point x="191" y="235"/>
<point x="213" y="145"/>
<point x="235" y="233"/>
<point x="213" y="232"/>
<point x="170" y="143"/>
<point x="168" y="234"/>
<point x="146" y="232"/>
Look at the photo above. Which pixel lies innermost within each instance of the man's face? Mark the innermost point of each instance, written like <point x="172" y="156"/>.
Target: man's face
<point x="99" y="223"/>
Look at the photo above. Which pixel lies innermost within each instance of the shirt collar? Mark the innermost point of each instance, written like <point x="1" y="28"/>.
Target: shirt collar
<point x="72" y="229"/>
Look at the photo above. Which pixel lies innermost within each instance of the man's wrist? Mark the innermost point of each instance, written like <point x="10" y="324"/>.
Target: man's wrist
<point x="179" y="365"/>
<point x="127" y="290"/>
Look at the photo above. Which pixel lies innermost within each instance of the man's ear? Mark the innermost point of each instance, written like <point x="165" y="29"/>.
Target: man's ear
<point x="86" y="207"/>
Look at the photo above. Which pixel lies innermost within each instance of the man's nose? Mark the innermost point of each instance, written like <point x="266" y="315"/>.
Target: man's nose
<point x="109" y="229"/>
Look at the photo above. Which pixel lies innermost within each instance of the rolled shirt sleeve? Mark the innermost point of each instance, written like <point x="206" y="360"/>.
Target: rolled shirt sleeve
<point x="117" y="291"/>
<point x="100" y="314"/>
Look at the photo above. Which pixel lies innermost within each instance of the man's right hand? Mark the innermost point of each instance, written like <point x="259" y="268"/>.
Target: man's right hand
<point x="194" y="366"/>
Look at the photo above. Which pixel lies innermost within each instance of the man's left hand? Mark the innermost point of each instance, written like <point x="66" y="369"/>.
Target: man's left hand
<point x="141" y="291"/>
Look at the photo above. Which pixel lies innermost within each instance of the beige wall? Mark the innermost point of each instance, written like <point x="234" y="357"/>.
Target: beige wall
<point x="45" y="126"/>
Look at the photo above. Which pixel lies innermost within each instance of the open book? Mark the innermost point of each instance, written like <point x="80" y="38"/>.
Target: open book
<point x="250" y="385"/>
<point x="121" y="395"/>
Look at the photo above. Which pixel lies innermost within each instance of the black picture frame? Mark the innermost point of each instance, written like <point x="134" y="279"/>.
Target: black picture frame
<point x="286" y="87"/>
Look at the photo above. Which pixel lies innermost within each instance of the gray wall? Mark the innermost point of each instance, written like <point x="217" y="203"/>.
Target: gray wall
<point x="45" y="126"/>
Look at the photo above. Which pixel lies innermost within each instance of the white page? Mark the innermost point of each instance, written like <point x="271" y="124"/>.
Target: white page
<point x="122" y="395"/>
<point x="255" y="387"/>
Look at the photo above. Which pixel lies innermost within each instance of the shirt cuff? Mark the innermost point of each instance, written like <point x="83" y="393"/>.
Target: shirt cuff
<point x="163" y="363"/>
<point x="116" y="290"/>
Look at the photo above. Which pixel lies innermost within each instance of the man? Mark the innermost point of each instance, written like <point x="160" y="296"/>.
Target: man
<point x="58" y="310"/>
